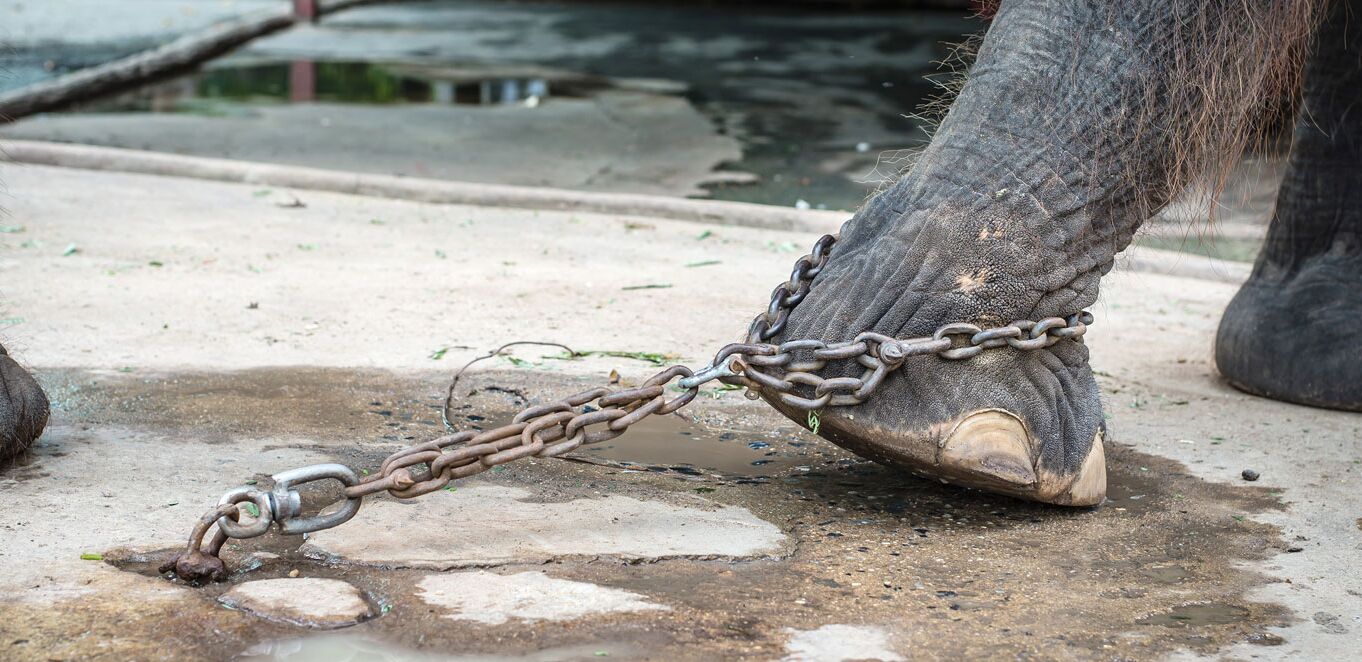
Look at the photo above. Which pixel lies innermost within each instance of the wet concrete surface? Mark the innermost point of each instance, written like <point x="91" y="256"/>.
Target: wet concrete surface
<point x="791" y="106"/>
<point x="946" y="572"/>
<point x="756" y="104"/>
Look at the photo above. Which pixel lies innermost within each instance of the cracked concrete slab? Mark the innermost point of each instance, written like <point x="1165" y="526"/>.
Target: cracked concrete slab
<point x="486" y="525"/>
<point x="492" y="599"/>
<point x="836" y="643"/>
<point x="306" y="601"/>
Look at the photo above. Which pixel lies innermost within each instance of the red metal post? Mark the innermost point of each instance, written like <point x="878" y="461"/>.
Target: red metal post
<point x="305" y="9"/>
<point x="302" y="81"/>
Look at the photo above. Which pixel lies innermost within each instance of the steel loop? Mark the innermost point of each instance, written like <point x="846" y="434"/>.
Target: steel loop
<point x="848" y="385"/>
<point x="805" y="403"/>
<point x="231" y="525"/>
<point x="841" y="351"/>
<point x="768" y="380"/>
<point x="1042" y="327"/>
<point x="679" y="401"/>
<point x="957" y="329"/>
<point x="961" y="353"/>
<point x="995" y="337"/>
<point x="1029" y="343"/>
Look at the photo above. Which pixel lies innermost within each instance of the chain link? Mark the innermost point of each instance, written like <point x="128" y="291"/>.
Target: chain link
<point x="790" y="370"/>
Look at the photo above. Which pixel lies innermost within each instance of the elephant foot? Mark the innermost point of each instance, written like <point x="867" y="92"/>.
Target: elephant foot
<point x="990" y="449"/>
<point x="1294" y="337"/>
<point x="1022" y="423"/>
<point x="23" y="408"/>
<point x="1291" y="333"/>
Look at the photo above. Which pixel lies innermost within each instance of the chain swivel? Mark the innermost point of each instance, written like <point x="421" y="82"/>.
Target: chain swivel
<point x="717" y="370"/>
<point x="283" y="504"/>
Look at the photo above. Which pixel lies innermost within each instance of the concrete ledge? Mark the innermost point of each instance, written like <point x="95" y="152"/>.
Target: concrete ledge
<point x="741" y="214"/>
<point x="421" y="190"/>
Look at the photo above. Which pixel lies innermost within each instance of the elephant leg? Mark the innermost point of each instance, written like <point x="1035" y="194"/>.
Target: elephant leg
<point x="23" y="408"/>
<point x="1291" y="333"/>
<point x="1059" y="144"/>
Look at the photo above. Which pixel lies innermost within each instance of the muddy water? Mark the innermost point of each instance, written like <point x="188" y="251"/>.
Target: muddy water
<point x="672" y="443"/>
<point x="951" y="573"/>
<point x="340" y="406"/>
<point x="351" y="648"/>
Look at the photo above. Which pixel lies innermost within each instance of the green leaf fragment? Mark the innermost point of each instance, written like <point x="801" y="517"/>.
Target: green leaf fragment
<point x="11" y="229"/>
<point x="251" y="509"/>
<point x="705" y="235"/>
<point x="813" y="421"/>
<point x="71" y="249"/>
<point x="438" y="354"/>
<point x="91" y="557"/>
<point x="650" y="286"/>
<point x="655" y="358"/>
<point x="703" y="263"/>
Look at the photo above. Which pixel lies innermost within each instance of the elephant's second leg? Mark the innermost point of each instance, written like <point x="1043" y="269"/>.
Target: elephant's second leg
<point x="23" y="408"/>
<point x="1291" y="332"/>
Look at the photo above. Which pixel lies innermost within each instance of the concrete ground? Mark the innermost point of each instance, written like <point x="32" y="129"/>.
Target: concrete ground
<point x="196" y="335"/>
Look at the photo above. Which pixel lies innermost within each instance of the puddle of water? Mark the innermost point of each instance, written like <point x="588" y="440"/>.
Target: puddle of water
<point x="1133" y="492"/>
<point x="354" y="648"/>
<point x="1210" y="613"/>
<point x="331" y="648"/>
<point x="343" y="82"/>
<point x="675" y="445"/>
<point x="1165" y="574"/>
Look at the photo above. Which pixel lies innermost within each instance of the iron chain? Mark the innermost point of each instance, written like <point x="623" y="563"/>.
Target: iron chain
<point x="789" y="370"/>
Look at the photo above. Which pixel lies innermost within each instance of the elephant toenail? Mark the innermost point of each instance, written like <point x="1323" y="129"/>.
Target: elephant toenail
<point x="991" y="443"/>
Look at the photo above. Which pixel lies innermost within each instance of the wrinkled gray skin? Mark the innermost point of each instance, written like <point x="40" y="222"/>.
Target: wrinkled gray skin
<point x="23" y="407"/>
<point x="1018" y="207"/>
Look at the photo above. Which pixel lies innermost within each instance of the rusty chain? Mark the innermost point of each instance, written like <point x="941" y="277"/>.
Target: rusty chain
<point x="789" y="370"/>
